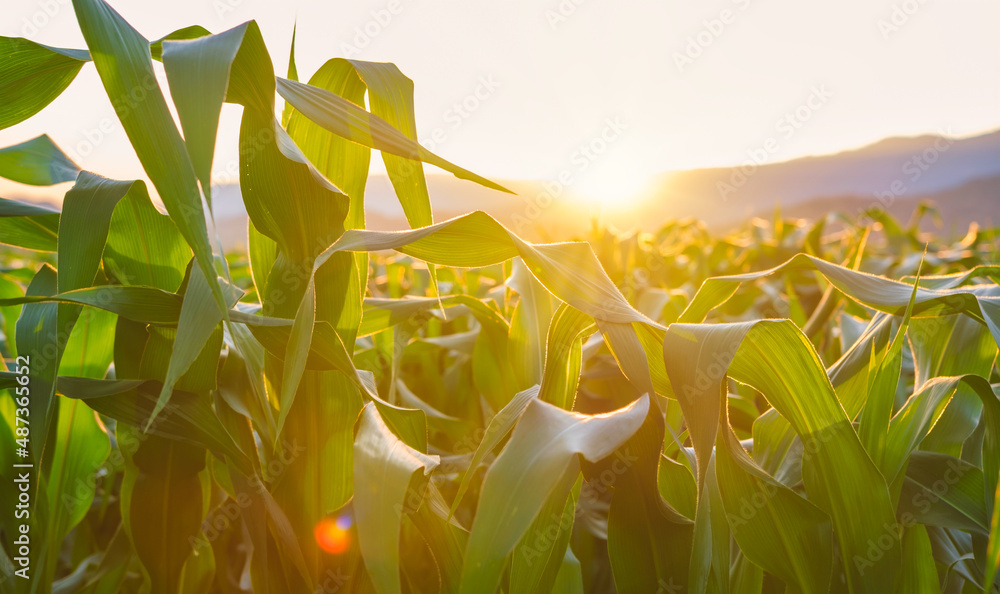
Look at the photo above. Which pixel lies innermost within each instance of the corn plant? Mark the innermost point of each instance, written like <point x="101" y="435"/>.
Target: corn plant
<point x="450" y="407"/>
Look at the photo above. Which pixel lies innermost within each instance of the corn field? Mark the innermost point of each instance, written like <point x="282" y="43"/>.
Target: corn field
<point x="794" y="407"/>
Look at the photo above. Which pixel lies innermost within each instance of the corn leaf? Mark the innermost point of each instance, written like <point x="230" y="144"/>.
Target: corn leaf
<point x="540" y="459"/>
<point x="37" y="162"/>
<point x="384" y="469"/>
<point x="33" y="76"/>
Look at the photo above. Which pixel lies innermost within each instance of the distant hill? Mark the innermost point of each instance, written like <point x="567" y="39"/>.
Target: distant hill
<point x="976" y="201"/>
<point x="903" y="168"/>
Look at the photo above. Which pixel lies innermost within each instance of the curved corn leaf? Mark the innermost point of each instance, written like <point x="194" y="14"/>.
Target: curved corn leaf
<point x="165" y="508"/>
<point x="500" y="425"/>
<point x="37" y="338"/>
<point x="142" y="304"/>
<point x="37" y="162"/>
<point x="649" y="543"/>
<point x="349" y="121"/>
<point x="774" y="526"/>
<point x="539" y="555"/>
<point x="940" y="490"/>
<point x="198" y="320"/>
<point x="529" y="326"/>
<point x="81" y="444"/>
<point x="144" y="246"/>
<point x="83" y="231"/>
<point x="563" y="356"/>
<point x="879" y="293"/>
<point x="198" y="73"/>
<point x="131" y="401"/>
<point x="918" y="558"/>
<point x="777" y="359"/>
<point x="28" y="226"/>
<point x="390" y="94"/>
<point x="124" y="62"/>
<point x="541" y="458"/>
<point x="33" y="76"/>
<point x="384" y="471"/>
<point x="570" y="271"/>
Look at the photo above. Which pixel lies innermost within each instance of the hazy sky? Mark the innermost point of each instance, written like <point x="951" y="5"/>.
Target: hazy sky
<point x="655" y="85"/>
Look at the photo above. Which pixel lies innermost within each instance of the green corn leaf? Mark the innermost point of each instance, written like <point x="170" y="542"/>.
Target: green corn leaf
<point x="189" y="32"/>
<point x="953" y="550"/>
<point x="326" y="351"/>
<point x="910" y="426"/>
<point x="879" y="293"/>
<point x="953" y="346"/>
<point x="270" y="162"/>
<point x="10" y="290"/>
<point x="774" y="526"/>
<point x="649" y="543"/>
<point x="198" y="319"/>
<point x="33" y="76"/>
<point x="28" y="226"/>
<point x="198" y="73"/>
<point x="943" y="491"/>
<point x="37" y="162"/>
<point x="677" y="486"/>
<point x="993" y="550"/>
<point x="777" y="359"/>
<point x="539" y="555"/>
<point x="563" y="356"/>
<point x="144" y="247"/>
<point x="299" y="339"/>
<point x="123" y="61"/>
<point x="570" y="271"/>
<point x="81" y="444"/>
<point x="500" y="425"/>
<point x="37" y="339"/>
<point x="918" y="558"/>
<point x="529" y="326"/>
<point x="390" y="94"/>
<point x="389" y="481"/>
<point x="541" y="458"/>
<point x="569" y="580"/>
<point x="142" y="304"/>
<point x="262" y="251"/>
<point x="83" y="231"/>
<point x="882" y="391"/>
<point x="342" y="162"/>
<point x="165" y="508"/>
<point x="916" y="416"/>
<point x="631" y="355"/>
<point x="710" y="540"/>
<point x="131" y="402"/>
<point x="349" y="121"/>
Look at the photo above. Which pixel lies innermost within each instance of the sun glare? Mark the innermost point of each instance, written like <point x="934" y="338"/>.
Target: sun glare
<point x="333" y="534"/>
<point x="617" y="188"/>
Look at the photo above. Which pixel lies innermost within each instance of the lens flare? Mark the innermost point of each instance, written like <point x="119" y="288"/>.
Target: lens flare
<point x="333" y="534"/>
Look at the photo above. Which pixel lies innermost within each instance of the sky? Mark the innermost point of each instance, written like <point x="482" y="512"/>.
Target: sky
<point x="621" y="91"/>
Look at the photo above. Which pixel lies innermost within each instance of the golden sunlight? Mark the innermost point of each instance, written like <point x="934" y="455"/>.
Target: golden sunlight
<point x="333" y="534"/>
<point x="616" y="187"/>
